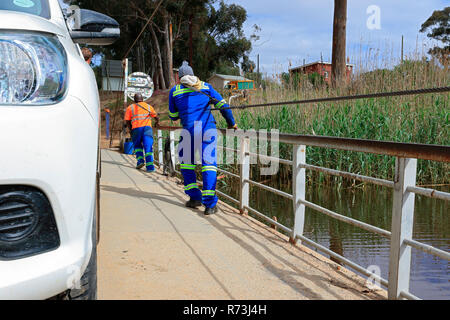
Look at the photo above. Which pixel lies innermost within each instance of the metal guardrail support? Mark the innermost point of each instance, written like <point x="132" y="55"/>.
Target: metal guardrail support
<point x="404" y="186"/>
<point x="244" y="174"/>
<point x="428" y="249"/>
<point x="228" y="173"/>
<point x="298" y="190"/>
<point x="172" y="147"/>
<point x="402" y="227"/>
<point x="430" y="193"/>
<point x="349" y="175"/>
<point x="160" y="149"/>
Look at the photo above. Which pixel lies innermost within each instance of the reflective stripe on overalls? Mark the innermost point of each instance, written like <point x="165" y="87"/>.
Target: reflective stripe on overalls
<point x="207" y="150"/>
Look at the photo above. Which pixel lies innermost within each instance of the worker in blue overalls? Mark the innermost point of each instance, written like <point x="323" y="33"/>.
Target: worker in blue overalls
<point x="188" y="104"/>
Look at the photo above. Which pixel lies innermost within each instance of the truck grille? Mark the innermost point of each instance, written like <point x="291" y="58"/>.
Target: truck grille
<point x="27" y="223"/>
<point x="18" y="219"/>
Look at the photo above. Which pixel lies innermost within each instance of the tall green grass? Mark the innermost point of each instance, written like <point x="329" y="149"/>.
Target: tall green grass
<point x="409" y="119"/>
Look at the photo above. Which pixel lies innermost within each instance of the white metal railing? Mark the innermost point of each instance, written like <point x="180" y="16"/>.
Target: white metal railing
<point x="404" y="186"/>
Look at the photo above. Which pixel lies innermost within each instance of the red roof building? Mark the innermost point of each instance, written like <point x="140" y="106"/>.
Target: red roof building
<point x="322" y="68"/>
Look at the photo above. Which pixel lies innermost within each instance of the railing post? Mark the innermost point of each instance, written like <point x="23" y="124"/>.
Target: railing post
<point x="244" y="174"/>
<point x="172" y="147"/>
<point x="298" y="190"/>
<point x="160" y="149"/>
<point x="402" y="227"/>
<point x="107" y="117"/>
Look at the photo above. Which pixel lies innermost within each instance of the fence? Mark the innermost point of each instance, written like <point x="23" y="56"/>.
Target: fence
<point x="404" y="186"/>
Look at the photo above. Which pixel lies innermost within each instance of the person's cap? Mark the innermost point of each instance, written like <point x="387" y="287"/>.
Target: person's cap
<point x="185" y="70"/>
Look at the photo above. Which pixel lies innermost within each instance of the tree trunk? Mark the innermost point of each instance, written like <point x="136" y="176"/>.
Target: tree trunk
<point x="152" y="70"/>
<point x="156" y="81"/>
<point x="143" y="57"/>
<point x="160" y="68"/>
<point x="140" y="59"/>
<point x="339" y="64"/>
<point x="168" y="39"/>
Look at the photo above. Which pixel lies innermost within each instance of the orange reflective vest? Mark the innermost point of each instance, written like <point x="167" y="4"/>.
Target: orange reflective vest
<point x="140" y="116"/>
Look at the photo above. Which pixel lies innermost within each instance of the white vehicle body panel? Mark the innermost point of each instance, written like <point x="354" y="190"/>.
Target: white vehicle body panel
<point x="52" y="148"/>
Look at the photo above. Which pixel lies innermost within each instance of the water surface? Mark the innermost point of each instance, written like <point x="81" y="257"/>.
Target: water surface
<point x="430" y="277"/>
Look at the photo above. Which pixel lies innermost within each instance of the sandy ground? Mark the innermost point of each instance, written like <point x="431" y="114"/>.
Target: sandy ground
<point x="152" y="247"/>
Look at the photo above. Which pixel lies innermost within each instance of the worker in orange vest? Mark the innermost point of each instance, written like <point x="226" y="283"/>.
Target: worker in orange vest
<point x="138" y="119"/>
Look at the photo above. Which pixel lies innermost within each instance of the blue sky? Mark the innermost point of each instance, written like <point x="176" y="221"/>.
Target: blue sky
<point x="293" y="30"/>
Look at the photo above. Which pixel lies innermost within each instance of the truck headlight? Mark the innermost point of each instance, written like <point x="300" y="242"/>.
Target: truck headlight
<point x="33" y="69"/>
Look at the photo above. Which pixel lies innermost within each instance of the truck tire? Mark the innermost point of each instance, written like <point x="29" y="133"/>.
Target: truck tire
<point x="88" y="281"/>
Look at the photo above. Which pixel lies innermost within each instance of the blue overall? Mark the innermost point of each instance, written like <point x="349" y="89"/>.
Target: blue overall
<point x="198" y="137"/>
<point x="143" y="142"/>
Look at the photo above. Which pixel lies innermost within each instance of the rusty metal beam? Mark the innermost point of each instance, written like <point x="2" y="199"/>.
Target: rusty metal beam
<point x="395" y="149"/>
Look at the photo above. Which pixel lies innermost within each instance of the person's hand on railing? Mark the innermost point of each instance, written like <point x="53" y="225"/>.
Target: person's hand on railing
<point x="156" y="122"/>
<point x="233" y="127"/>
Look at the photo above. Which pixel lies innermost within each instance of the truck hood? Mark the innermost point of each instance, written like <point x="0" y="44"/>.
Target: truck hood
<point x="10" y="20"/>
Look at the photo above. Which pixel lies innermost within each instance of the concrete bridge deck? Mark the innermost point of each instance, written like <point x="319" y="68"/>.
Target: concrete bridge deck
<point x="152" y="247"/>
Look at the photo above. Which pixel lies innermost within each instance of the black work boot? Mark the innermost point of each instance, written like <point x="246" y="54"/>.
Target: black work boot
<point x="140" y="165"/>
<point x="193" y="204"/>
<point x="209" y="211"/>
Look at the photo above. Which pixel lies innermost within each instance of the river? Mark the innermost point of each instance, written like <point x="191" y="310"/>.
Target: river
<point x="430" y="277"/>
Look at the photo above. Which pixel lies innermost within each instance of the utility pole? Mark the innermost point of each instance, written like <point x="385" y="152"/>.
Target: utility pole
<point x="125" y="82"/>
<point x="257" y="70"/>
<point x="125" y="85"/>
<point x="339" y="67"/>
<point x="170" y="56"/>
<point x="402" y="48"/>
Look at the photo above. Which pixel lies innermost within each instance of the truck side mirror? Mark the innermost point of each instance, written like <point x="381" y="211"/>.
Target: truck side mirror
<point x="91" y="27"/>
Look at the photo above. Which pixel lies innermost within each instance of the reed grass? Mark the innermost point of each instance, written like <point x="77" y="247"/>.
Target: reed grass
<point x="410" y="119"/>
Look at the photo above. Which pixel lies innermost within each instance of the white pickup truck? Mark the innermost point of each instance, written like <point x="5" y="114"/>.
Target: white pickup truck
<point x="49" y="158"/>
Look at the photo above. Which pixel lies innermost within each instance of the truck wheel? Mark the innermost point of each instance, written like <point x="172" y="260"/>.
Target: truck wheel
<point x="88" y="281"/>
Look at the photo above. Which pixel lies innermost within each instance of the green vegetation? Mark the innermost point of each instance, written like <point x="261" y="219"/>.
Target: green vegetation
<point x="207" y="33"/>
<point x="438" y="27"/>
<point x="409" y="119"/>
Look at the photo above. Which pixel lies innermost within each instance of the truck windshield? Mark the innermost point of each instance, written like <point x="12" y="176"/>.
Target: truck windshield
<point x="36" y="7"/>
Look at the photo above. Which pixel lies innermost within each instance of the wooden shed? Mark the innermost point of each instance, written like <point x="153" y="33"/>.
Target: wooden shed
<point x="219" y="81"/>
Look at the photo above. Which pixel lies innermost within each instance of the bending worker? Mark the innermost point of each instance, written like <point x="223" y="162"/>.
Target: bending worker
<point x="189" y="102"/>
<point x="138" y="119"/>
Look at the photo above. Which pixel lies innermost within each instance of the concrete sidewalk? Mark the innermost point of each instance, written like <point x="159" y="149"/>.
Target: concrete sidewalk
<point x="152" y="247"/>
